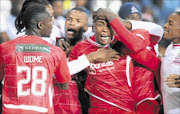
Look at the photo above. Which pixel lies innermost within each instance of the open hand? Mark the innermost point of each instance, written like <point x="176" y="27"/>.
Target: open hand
<point x="103" y="55"/>
<point x="103" y="13"/>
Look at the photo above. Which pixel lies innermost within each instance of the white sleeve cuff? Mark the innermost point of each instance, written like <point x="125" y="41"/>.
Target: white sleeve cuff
<point x="78" y="65"/>
<point x="152" y="28"/>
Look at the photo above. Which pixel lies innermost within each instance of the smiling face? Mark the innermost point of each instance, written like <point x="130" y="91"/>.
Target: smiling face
<point x="103" y="32"/>
<point x="172" y="28"/>
<point x="75" y="24"/>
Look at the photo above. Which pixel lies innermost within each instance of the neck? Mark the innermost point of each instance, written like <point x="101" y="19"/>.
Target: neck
<point x="32" y="32"/>
<point x="74" y="40"/>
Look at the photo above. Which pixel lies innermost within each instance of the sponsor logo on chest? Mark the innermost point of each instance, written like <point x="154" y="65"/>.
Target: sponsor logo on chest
<point x="101" y="67"/>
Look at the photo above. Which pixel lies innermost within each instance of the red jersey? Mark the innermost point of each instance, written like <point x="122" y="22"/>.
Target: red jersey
<point x="107" y="81"/>
<point x="102" y="82"/>
<point x="143" y="79"/>
<point x="27" y="65"/>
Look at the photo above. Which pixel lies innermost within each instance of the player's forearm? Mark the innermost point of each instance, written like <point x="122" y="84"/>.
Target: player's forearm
<point x="79" y="64"/>
<point x="152" y="28"/>
<point x="155" y="31"/>
<point x="126" y="23"/>
<point x="134" y="42"/>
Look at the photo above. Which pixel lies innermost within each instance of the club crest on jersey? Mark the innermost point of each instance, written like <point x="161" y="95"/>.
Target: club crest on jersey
<point x="134" y="10"/>
<point x="32" y="48"/>
<point x="177" y="59"/>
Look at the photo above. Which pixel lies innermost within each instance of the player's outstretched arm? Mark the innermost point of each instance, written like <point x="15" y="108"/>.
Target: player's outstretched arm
<point x="83" y="61"/>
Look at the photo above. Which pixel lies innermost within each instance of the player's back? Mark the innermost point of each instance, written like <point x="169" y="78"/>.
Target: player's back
<point x="29" y="65"/>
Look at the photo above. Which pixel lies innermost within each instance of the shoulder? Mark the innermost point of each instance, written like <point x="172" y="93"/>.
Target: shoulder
<point x="11" y="42"/>
<point x="82" y="44"/>
<point x="81" y="48"/>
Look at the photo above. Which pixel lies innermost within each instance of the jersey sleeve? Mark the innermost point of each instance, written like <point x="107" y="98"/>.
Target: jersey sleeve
<point x="75" y="66"/>
<point x="75" y="52"/>
<point x="62" y="72"/>
<point x="155" y="31"/>
<point x="149" y="59"/>
<point x="135" y="41"/>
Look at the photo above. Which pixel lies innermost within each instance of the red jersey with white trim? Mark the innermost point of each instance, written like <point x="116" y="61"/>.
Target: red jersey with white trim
<point x="101" y="74"/>
<point x="27" y="64"/>
<point x="135" y="40"/>
<point x="108" y="80"/>
<point x="146" y="56"/>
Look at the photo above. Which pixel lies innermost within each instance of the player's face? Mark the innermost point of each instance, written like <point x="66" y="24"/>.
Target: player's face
<point x="134" y="16"/>
<point x="172" y="27"/>
<point x="103" y="32"/>
<point x="47" y="24"/>
<point x="75" y="24"/>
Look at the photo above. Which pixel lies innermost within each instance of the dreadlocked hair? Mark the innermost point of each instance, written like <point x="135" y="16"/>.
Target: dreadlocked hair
<point x="19" y="24"/>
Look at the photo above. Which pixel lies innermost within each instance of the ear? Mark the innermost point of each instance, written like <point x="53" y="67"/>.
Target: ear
<point x="85" y="28"/>
<point x="40" y="25"/>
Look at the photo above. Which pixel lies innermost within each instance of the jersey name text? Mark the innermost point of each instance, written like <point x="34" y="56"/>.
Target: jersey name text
<point x="31" y="59"/>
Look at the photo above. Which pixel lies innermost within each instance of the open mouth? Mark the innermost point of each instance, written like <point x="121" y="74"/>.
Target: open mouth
<point x="166" y="31"/>
<point x="71" y="30"/>
<point x="104" y="37"/>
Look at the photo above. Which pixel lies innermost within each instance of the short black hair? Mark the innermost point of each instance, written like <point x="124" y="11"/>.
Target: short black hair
<point x="77" y="9"/>
<point x="33" y="14"/>
<point x="19" y="24"/>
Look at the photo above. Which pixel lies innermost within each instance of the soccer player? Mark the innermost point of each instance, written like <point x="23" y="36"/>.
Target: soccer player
<point x="27" y="64"/>
<point x="170" y="71"/>
<point x="109" y="83"/>
<point x="144" y="84"/>
<point x="75" y="26"/>
<point x="82" y="61"/>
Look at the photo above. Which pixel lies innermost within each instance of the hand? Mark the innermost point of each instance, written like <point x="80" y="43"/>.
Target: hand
<point x="68" y="50"/>
<point x="103" y="55"/>
<point x="63" y="44"/>
<point x="103" y="13"/>
<point x="173" y="81"/>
